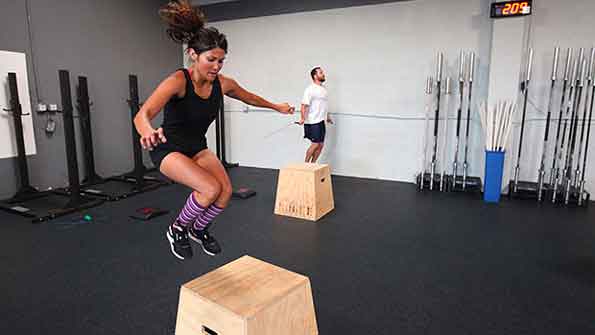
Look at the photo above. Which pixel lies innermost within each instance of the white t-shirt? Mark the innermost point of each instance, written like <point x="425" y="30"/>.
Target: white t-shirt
<point x="315" y="97"/>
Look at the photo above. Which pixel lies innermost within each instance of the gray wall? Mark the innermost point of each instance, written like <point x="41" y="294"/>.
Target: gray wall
<point x="230" y="10"/>
<point x="103" y="40"/>
<point x="567" y="24"/>
<point x="376" y="58"/>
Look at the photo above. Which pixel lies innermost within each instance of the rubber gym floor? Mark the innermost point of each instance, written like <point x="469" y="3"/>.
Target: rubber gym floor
<point x="388" y="260"/>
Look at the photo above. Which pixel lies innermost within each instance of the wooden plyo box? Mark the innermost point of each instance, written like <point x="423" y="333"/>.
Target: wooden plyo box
<point x="247" y="297"/>
<point x="304" y="191"/>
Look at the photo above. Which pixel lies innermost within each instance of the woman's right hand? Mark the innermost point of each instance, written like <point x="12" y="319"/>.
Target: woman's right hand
<point x="151" y="139"/>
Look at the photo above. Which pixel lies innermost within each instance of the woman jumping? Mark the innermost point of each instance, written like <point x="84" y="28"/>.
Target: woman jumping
<point x="191" y="99"/>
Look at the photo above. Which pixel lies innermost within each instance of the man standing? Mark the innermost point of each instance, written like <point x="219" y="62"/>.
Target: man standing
<point x="314" y="113"/>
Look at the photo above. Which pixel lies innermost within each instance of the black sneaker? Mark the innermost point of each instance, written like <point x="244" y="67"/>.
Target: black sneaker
<point x="209" y="244"/>
<point x="178" y="241"/>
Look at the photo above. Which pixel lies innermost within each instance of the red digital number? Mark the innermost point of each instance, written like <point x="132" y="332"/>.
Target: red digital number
<point x="523" y="5"/>
<point x="515" y="8"/>
<point x="506" y="9"/>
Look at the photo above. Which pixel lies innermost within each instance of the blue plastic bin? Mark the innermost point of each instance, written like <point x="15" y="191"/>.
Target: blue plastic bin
<point x="493" y="176"/>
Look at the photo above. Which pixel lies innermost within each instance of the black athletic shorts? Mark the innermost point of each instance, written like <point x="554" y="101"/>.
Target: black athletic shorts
<point x="315" y="132"/>
<point x="163" y="149"/>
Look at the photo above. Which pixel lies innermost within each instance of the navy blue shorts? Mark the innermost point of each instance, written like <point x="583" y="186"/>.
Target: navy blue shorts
<point x="315" y="132"/>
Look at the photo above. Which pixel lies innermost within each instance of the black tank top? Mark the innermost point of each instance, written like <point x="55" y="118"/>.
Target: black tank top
<point x="186" y="119"/>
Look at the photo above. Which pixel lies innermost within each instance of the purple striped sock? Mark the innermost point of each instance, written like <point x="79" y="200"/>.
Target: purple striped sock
<point x="190" y="212"/>
<point x="202" y="221"/>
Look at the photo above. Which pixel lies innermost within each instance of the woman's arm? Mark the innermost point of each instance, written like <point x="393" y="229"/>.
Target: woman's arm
<point x="172" y="85"/>
<point x="232" y="89"/>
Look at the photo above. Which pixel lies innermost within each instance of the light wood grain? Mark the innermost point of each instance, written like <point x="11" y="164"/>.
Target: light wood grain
<point x="247" y="297"/>
<point x="304" y="191"/>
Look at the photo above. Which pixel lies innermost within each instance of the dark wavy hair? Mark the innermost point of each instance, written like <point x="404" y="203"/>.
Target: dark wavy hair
<point x="186" y="25"/>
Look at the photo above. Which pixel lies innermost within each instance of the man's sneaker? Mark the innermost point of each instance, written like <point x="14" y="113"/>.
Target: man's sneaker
<point x="209" y="244"/>
<point x="178" y="241"/>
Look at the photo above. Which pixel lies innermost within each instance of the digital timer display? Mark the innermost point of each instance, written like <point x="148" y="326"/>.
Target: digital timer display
<point x="510" y="9"/>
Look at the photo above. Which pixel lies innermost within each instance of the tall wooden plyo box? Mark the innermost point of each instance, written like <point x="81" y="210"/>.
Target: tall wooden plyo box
<point x="247" y="297"/>
<point x="304" y="191"/>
